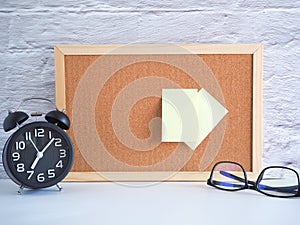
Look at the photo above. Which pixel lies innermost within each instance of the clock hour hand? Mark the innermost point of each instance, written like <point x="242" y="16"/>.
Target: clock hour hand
<point x="40" y="155"/>
<point x="35" y="162"/>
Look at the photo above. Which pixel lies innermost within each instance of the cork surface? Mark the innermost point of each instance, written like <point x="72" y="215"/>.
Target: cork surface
<point x="232" y="72"/>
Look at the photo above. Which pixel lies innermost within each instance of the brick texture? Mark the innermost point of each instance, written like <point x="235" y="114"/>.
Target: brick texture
<point x="30" y="29"/>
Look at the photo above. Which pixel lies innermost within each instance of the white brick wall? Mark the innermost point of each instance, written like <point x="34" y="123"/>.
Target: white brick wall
<point x="29" y="29"/>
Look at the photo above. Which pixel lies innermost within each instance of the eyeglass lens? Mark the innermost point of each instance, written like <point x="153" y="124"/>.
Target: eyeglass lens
<point x="228" y="176"/>
<point x="281" y="182"/>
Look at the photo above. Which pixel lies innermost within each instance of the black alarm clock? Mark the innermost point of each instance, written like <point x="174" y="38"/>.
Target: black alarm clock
<point x="39" y="154"/>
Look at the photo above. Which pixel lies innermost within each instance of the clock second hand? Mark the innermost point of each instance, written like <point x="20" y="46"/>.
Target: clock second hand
<point x="33" y="144"/>
<point x="40" y="154"/>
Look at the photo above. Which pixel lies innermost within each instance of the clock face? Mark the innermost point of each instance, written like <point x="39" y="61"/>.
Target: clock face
<point x="38" y="155"/>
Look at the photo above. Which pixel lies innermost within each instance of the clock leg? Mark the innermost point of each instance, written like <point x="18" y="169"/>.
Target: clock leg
<point x="20" y="191"/>
<point x="59" y="187"/>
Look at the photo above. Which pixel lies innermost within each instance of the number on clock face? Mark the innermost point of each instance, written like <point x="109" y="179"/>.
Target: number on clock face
<point x="40" y="154"/>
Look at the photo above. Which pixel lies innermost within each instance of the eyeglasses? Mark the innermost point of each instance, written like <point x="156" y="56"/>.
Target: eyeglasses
<point x="275" y="181"/>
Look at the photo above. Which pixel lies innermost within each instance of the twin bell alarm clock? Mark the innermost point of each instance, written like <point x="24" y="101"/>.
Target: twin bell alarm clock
<point x="38" y="154"/>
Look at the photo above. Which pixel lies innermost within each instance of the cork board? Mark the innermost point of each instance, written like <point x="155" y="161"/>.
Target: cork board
<point x="112" y="94"/>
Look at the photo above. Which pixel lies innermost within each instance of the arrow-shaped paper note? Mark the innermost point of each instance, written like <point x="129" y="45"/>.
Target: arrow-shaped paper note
<point x="189" y="116"/>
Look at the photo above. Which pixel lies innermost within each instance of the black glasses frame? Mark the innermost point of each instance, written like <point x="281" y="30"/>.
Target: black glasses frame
<point x="251" y="184"/>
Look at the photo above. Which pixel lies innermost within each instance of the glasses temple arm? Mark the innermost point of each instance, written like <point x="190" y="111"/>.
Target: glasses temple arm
<point x="234" y="177"/>
<point x="290" y="189"/>
<point x="227" y="184"/>
<point x="261" y="186"/>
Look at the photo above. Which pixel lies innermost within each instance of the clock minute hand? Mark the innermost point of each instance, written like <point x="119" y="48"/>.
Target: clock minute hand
<point x="47" y="146"/>
<point x="40" y="155"/>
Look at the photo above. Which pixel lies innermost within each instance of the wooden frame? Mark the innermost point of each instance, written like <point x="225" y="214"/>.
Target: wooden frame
<point x="255" y="50"/>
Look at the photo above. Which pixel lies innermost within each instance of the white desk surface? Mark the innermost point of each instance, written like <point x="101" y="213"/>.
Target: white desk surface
<point x="163" y="203"/>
